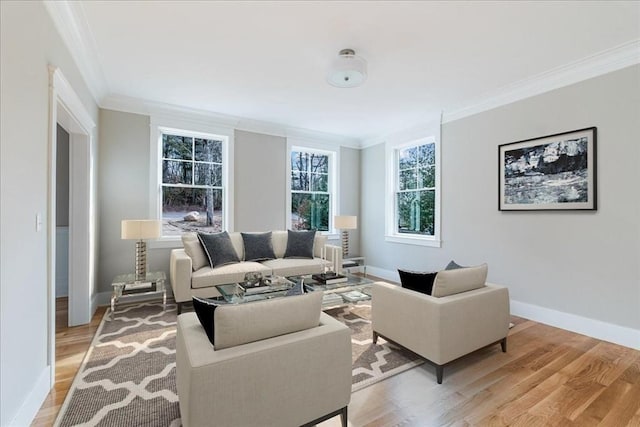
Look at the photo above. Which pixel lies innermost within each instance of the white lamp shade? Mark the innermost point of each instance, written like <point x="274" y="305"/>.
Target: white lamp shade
<point x="345" y="222"/>
<point x="141" y="229"/>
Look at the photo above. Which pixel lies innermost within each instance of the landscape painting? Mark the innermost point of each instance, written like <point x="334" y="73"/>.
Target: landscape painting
<point x="555" y="172"/>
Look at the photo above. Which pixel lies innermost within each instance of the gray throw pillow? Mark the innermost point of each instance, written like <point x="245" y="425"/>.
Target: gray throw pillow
<point x="258" y="246"/>
<point x="218" y="248"/>
<point x="453" y="266"/>
<point x="300" y="244"/>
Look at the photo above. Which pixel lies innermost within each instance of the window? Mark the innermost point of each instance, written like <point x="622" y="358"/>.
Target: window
<point x="413" y="175"/>
<point x="192" y="172"/>
<point x="312" y="189"/>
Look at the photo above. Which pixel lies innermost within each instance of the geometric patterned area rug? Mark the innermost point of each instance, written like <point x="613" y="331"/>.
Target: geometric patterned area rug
<point x="128" y="375"/>
<point x="371" y="362"/>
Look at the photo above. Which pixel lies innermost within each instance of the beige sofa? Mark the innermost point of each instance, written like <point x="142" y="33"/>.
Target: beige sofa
<point x="191" y="274"/>
<point x="441" y="329"/>
<point x="260" y="374"/>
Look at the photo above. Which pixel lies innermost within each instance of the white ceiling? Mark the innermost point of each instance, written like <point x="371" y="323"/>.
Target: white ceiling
<point x="267" y="61"/>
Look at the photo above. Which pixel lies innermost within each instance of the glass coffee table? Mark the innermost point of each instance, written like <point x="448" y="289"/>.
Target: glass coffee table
<point x="354" y="290"/>
<point x="236" y="293"/>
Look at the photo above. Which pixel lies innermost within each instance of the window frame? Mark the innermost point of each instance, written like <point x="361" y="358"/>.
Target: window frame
<point x="393" y="188"/>
<point x="333" y="179"/>
<point x="192" y="129"/>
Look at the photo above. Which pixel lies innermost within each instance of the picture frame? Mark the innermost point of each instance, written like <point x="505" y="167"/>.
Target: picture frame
<point x="549" y="173"/>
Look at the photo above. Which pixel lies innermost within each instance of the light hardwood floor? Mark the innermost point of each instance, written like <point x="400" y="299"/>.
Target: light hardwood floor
<point x="71" y="346"/>
<point x="548" y="377"/>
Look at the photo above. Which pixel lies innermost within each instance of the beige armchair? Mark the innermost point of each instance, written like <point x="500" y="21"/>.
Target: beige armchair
<point x="441" y="329"/>
<point x="291" y="379"/>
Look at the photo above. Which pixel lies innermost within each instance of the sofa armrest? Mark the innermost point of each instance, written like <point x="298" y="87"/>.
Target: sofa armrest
<point x="334" y="255"/>
<point x="180" y="269"/>
<point x="307" y="371"/>
<point x="441" y="329"/>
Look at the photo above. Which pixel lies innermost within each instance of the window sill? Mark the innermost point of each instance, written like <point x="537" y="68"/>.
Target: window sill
<point x="418" y="241"/>
<point x="173" y="242"/>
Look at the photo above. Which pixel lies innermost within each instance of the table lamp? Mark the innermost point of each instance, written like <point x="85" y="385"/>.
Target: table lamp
<point x="140" y="229"/>
<point x="345" y="223"/>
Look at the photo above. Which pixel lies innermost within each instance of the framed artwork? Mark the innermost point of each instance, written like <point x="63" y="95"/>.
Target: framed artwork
<point x="554" y="172"/>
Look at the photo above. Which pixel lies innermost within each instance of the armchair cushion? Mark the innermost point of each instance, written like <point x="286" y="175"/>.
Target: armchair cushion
<point x="219" y="248"/>
<point x="450" y="282"/>
<point x="237" y="324"/>
<point x="417" y="281"/>
<point x="205" y="309"/>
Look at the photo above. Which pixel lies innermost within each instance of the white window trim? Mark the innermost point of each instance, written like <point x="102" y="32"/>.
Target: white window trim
<point x="391" y="175"/>
<point x="194" y="128"/>
<point x="333" y="150"/>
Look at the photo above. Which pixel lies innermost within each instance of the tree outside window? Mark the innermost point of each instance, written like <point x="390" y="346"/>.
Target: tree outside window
<point x="415" y="193"/>
<point x="310" y="195"/>
<point x="192" y="184"/>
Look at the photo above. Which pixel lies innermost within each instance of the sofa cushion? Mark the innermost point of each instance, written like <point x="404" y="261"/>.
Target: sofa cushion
<point x="417" y="281"/>
<point x="257" y="246"/>
<point x="230" y="273"/>
<point x="205" y="308"/>
<point x="237" y="324"/>
<point x="300" y="243"/>
<point x="450" y="282"/>
<point x="194" y="249"/>
<point x="218" y="248"/>
<point x="295" y="266"/>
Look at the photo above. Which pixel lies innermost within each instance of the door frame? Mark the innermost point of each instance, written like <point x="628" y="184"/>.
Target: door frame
<point x="66" y="109"/>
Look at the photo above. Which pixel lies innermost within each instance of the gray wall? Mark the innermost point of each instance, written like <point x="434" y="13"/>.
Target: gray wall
<point x="583" y="263"/>
<point x="123" y="184"/>
<point x="259" y="183"/>
<point x="29" y="43"/>
<point x="260" y="186"/>
<point x="62" y="177"/>
<point x="350" y="194"/>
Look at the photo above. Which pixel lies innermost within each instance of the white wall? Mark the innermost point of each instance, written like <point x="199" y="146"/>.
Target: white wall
<point x="28" y="43"/>
<point x="585" y="264"/>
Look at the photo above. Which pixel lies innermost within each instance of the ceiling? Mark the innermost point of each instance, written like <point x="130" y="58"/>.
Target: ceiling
<point x="267" y="61"/>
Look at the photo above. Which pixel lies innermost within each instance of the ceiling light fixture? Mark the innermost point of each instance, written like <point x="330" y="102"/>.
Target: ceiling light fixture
<point x="348" y="70"/>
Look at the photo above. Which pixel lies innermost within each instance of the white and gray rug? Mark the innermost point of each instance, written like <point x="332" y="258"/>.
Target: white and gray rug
<point x="128" y="375"/>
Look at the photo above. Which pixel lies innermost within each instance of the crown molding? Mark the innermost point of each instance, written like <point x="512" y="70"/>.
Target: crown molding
<point x="160" y="109"/>
<point x="69" y="20"/>
<point x="622" y="56"/>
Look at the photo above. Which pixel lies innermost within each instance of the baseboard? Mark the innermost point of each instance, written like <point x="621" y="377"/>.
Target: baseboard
<point x="34" y="400"/>
<point x="391" y="275"/>
<point x="617" y="334"/>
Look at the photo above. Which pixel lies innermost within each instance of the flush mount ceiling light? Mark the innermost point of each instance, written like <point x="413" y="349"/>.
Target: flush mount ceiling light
<point x="348" y="70"/>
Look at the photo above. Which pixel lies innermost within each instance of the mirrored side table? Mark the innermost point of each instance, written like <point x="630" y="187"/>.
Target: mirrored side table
<point x="126" y="286"/>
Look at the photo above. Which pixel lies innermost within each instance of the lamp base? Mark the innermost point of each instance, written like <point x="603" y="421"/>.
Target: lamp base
<point x="141" y="260"/>
<point x="345" y="243"/>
